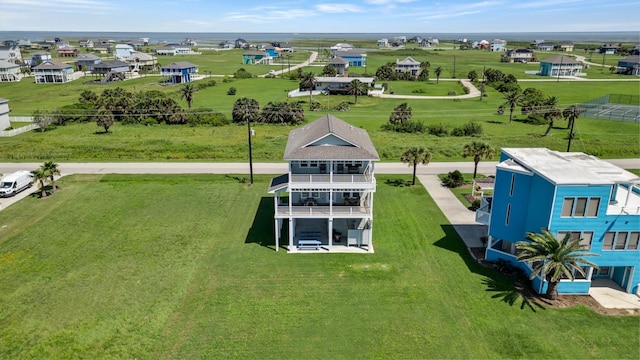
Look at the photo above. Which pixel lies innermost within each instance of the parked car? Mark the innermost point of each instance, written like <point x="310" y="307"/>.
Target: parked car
<point x="14" y="183"/>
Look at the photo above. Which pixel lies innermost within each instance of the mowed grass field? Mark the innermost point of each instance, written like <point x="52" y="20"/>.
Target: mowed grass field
<point x="184" y="267"/>
<point x="83" y="142"/>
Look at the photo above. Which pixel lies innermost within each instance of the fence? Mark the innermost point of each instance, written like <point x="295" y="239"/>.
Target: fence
<point x="19" y="130"/>
<point x="618" y="107"/>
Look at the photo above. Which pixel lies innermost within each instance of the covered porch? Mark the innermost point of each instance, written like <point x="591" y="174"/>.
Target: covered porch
<point x="339" y="235"/>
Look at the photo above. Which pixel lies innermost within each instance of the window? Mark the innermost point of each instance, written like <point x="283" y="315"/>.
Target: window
<point x="586" y="237"/>
<point x="581" y="206"/>
<point x="608" y="241"/>
<point x="313" y="163"/>
<point x="594" y="204"/>
<point x="633" y="241"/>
<point x="304" y="164"/>
<point x="621" y="240"/>
<point x="506" y="222"/>
<point x="513" y="181"/>
<point x="603" y="270"/>
<point x="567" y="207"/>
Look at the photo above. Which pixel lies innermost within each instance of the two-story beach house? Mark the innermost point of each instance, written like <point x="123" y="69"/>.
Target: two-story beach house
<point x="178" y="72"/>
<point x="566" y="193"/>
<point x="325" y="201"/>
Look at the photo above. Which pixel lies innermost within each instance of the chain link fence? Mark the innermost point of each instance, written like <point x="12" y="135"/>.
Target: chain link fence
<point x="617" y="107"/>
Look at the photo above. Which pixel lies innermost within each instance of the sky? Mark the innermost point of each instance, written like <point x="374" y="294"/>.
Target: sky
<point x="320" y="16"/>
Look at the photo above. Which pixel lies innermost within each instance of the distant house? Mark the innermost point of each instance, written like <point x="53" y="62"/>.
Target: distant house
<point x="566" y="46"/>
<point x="226" y="45"/>
<point x="85" y="62"/>
<point x="408" y="65"/>
<point x="341" y="47"/>
<point x="354" y="57"/>
<point x="24" y="43"/>
<point x="174" y="49"/>
<point x="37" y="58"/>
<point x="545" y="46"/>
<point x="635" y="50"/>
<point x="340" y="85"/>
<point x="241" y="43"/>
<point x="480" y="45"/>
<point x="560" y="66"/>
<point x="341" y="65"/>
<point x="518" y="55"/>
<point x="284" y="47"/>
<point x="124" y="51"/>
<point x="569" y="194"/>
<point x="141" y="61"/>
<point x="179" y="72"/>
<point x="67" y="51"/>
<point x="52" y="72"/>
<point x="271" y="50"/>
<point x="383" y="43"/>
<point x="325" y="200"/>
<point x="498" y="45"/>
<point x="608" y="49"/>
<point x="10" y="53"/>
<point x="256" y="57"/>
<point x="111" y="70"/>
<point x="629" y="65"/>
<point x="86" y="43"/>
<point x="103" y="48"/>
<point x="424" y="43"/>
<point x="9" y="71"/>
<point x="189" y="42"/>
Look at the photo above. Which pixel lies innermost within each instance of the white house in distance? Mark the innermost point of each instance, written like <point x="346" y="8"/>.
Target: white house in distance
<point x="4" y="114"/>
<point x="9" y="71"/>
<point x="324" y="203"/>
<point x="53" y="72"/>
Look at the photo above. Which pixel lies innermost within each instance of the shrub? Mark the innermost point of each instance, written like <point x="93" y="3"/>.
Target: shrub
<point x="437" y="130"/>
<point x="468" y="129"/>
<point x="204" y="85"/>
<point x="535" y="119"/>
<point x="465" y="90"/>
<point x="408" y="126"/>
<point x="343" y="106"/>
<point x="231" y="91"/>
<point x="226" y="79"/>
<point x="242" y="74"/>
<point x="418" y="91"/>
<point x="475" y="205"/>
<point x="149" y="121"/>
<point x="454" y="179"/>
<point x="315" y="106"/>
<point x="207" y="116"/>
<point x="452" y="93"/>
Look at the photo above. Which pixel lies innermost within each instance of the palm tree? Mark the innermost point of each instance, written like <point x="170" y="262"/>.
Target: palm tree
<point x="186" y="92"/>
<point x="512" y="99"/>
<point x="480" y="151"/>
<point x="571" y="114"/>
<point x="245" y="109"/>
<point x="308" y="82"/>
<point x="400" y="114"/>
<point x="553" y="258"/>
<point x="40" y="175"/>
<point x="357" y="88"/>
<point x="551" y="112"/>
<point x="438" y="71"/>
<point x="51" y="169"/>
<point x="414" y="156"/>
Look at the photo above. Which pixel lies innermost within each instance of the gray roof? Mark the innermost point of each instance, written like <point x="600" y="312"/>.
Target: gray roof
<point x="338" y="60"/>
<point x="338" y="79"/>
<point x="111" y="65"/>
<point x="89" y="57"/>
<point x="50" y="64"/>
<point x="407" y="61"/>
<point x="180" y="65"/>
<point x="560" y="59"/>
<point x="8" y="65"/>
<point x="567" y="168"/>
<point x="350" y="53"/>
<point x="630" y="59"/>
<point x="329" y="138"/>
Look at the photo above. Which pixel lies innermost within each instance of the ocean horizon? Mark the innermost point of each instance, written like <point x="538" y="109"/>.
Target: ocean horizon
<point x="204" y="38"/>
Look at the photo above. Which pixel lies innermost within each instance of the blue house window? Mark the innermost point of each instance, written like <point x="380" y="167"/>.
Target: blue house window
<point x="585" y="237"/>
<point x="621" y="240"/>
<point x="580" y="207"/>
<point x="513" y="181"/>
<point x="506" y="222"/>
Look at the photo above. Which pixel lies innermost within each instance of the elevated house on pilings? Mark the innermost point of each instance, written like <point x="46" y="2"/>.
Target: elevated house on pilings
<point x="325" y="201"/>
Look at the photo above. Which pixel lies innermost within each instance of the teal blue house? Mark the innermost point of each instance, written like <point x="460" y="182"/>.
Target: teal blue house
<point x="354" y="57"/>
<point x="575" y="193"/>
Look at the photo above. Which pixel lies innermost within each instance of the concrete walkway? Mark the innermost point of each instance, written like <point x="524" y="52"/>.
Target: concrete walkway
<point x="462" y="219"/>
<point x="611" y="296"/>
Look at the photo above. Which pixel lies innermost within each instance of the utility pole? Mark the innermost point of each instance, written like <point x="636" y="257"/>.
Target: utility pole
<point x="484" y="68"/>
<point x="603" y="56"/>
<point x="248" y="119"/>
<point x="454" y="66"/>
<point x="570" y="135"/>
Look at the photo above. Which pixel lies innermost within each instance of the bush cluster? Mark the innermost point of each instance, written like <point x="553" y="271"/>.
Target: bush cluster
<point x="454" y="179"/>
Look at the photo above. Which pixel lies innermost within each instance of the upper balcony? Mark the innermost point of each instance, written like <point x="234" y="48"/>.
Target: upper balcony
<point x="626" y="201"/>
<point x="331" y="174"/>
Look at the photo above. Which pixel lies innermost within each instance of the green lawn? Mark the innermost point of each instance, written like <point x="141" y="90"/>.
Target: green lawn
<point x="183" y="267"/>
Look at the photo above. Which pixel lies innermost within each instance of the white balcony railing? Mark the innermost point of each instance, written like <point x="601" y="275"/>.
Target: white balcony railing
<point x="302" y="211"/>
<point x="331" y="178"/>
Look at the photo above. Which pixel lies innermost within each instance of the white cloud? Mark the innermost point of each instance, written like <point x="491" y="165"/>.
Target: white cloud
<point x="543" y="3"/>
<point x="388" y="2"/>
<point x="338" y="8"/>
